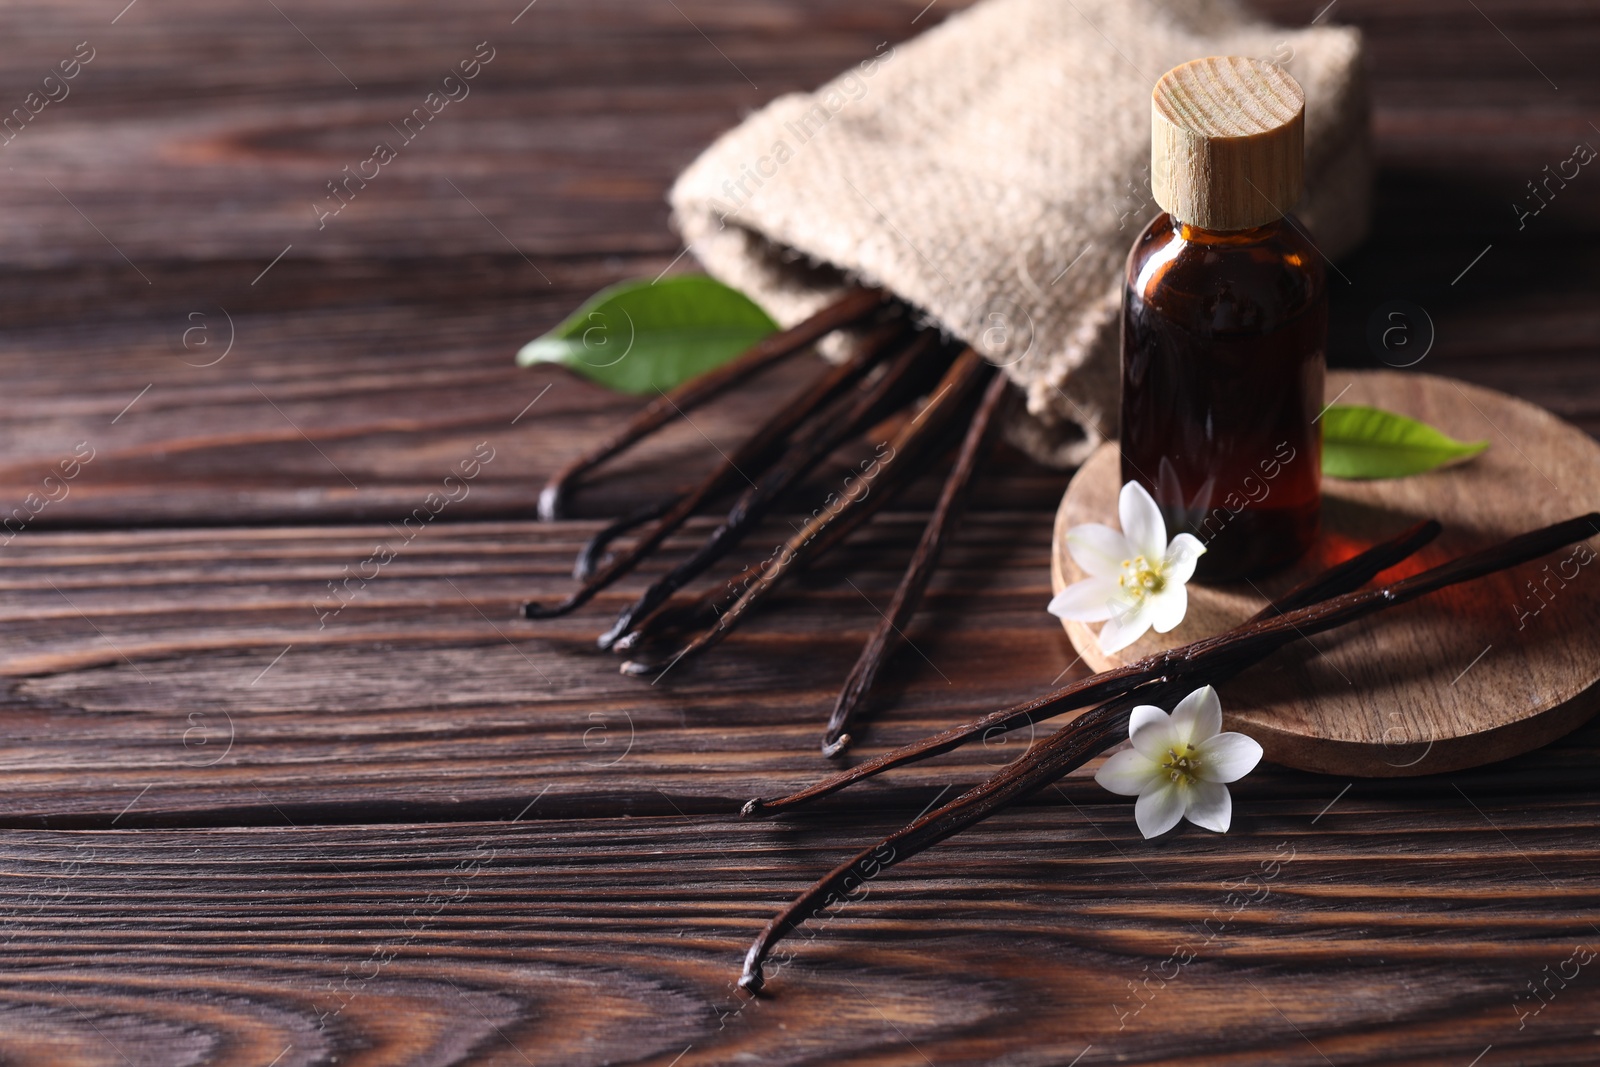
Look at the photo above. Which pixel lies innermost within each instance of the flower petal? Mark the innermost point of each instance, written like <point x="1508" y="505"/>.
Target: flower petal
<point x="1159" y="810"/>
<point x="1122" y="630"/>
<point x="1210" y="806"/>
<point x="1128" y="773"/>
<point x="1099" y="550"/>
<point x="1142" y="525"/>
<point x="1198" y="716"/>
<point x="1166" y="609"/>
<point x="1153" y="739"/>
<point x="1146" y="715"/>
<point x="1091" y="600"/>
<point x="1182" y="554"/>
<point x="1228" y="757"/>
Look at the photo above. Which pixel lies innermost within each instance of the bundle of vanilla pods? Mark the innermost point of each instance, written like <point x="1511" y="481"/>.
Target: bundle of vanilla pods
<point x="942" y="393"/>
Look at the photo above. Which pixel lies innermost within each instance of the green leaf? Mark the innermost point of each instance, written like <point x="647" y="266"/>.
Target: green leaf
<point x="638" y="337"/>
<point x="1362" y="442"/>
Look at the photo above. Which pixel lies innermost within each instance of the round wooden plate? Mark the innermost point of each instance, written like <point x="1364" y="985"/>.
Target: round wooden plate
<point x="1463" y="677"/>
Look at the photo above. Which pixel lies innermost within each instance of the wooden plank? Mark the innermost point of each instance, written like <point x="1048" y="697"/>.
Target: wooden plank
<point x="240" y="113"/>
<point x="292" y="444"/>
<point x="1358" y="932"/>
<point x="196" y="137"/>
<point x="386" y="334"/>
<point x="130" y="661"/>
<point x="135" y="639"/>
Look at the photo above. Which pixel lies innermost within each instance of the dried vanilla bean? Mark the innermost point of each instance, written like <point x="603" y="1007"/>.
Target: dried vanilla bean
<point x="852" y="308"/>
<point x="1082" y="739"/>
<point x="941" y="524"/>
<point x="702" y="609"/>
<point x="684" y="613"/>
<point x="589" y="555"/>
<point x="687" y="613"/>
<point x="904" y="370"/>
<point x="915" y="438"/>
<point x="1349" y="575"/>
<point x="1015" y="779"/>
<point x="754" y="454"/>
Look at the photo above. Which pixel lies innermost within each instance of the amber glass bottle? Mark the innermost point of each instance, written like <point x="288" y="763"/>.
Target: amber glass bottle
<point x="1224" y="323"/>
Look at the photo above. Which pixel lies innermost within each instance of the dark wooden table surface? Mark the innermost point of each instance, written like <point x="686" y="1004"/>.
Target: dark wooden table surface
<point x="420" y="831"/>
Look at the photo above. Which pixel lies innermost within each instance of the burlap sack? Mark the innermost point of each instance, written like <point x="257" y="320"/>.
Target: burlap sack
<point x="994" y="173"/>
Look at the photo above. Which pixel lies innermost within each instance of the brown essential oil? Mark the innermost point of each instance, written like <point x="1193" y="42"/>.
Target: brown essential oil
<point x="1224" y="323"/>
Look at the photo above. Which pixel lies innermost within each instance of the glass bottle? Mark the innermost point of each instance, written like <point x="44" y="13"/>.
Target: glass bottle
<point x="1224" y="323"/>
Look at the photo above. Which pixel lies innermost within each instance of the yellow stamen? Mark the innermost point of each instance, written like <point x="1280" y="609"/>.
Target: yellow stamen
<point x="1182" y="767"/>
<point x="1140" y="578"/>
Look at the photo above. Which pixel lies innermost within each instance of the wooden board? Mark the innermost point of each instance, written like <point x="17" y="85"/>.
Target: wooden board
<point x="424" y="699"/>
<point x="160" y="909"/>
<point x="141" y="678"/>
<point x="1465" y="677"/>
<point x="1331" y="926"/>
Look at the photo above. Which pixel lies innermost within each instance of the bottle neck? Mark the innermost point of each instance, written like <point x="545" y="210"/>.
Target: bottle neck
<point x="1199" y="235"/>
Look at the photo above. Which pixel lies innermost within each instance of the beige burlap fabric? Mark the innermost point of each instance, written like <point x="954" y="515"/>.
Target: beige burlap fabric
<point x="994" y="172"/>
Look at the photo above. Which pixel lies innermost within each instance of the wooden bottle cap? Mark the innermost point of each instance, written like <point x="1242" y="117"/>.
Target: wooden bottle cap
<point x="1227" y="142"/>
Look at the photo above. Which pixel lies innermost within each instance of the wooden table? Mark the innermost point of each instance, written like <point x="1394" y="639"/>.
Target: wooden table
<point x="244" y="830"/>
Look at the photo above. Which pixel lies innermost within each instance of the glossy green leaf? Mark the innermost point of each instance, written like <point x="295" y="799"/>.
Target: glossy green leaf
<point x="638" y="337"/>
<point x="1363" y="442"/>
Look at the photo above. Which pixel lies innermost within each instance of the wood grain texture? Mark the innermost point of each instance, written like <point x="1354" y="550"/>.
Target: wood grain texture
<point x="1039" y="937"/>
<point x="127" y="642"/>
<point x="1227" y="142"/>
<point x="159" y="907"/>
<point x="389" y="343"/>
<point x="142" y="681"/>
<point x="1420" y="690"/>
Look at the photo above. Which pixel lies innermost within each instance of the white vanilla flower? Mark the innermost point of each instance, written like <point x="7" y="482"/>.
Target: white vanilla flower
<point x="1136" y="577"/>
<point x="1179" y="764"/>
